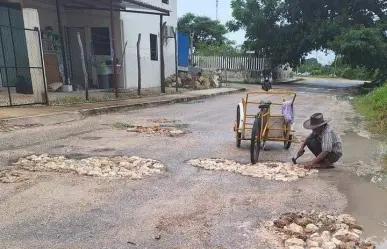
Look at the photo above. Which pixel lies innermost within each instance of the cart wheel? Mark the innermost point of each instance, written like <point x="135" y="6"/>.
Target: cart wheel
<point x="255" y="145"/>
<point x="288" y="143"/>
<point x="238" y="134"/>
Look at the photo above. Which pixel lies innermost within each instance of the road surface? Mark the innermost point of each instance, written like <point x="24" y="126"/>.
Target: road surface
<point x="184" y="208"/>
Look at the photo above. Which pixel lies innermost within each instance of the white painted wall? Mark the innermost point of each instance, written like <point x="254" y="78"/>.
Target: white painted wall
<point x="146" y="25"/>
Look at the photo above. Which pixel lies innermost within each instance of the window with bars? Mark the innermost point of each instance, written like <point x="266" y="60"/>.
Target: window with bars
<point x="100" y="37"/>
<point x="153" y="47"/>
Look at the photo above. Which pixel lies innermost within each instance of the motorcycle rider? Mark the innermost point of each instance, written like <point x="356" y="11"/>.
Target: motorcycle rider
<point x="266" y="86"/>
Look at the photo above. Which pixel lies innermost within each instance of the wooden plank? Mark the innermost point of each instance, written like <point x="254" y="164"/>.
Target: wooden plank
<point x="52" y="68"/>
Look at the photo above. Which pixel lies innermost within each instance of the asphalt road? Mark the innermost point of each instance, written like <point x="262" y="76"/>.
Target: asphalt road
<point x="330" y="83"/>
<point x="184" y="208"/>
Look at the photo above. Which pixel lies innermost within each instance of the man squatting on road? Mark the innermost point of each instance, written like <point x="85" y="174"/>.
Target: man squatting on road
<point x="324" y="142"/>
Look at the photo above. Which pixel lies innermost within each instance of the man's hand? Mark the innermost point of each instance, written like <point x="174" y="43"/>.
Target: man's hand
<point x="300" y="152"/>
<point x="308" y="165"/>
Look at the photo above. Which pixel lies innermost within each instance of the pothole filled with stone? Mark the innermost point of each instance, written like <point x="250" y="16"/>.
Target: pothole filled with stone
<point x="276" y="171"/>
<point x="133" y="167"/>
<point x="163" y="126"/>
<point x="157" y="129"/>
<point x="318" y="230"/>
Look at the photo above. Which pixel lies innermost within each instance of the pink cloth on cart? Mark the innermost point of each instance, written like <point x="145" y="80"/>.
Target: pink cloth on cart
<point x="288" y="112"/>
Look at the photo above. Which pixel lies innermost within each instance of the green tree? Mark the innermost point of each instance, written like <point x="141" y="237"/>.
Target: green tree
<point x="287" y="30"/>
<point x="229" y="48"/>
<point x="363" y="46"/>
<point x="204" y="29"/>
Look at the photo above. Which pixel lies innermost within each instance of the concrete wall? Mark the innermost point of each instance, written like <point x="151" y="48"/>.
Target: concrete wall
<point x="146" y="25"/>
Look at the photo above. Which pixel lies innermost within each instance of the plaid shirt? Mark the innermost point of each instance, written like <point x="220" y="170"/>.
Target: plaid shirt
<point x="330" y="141"/>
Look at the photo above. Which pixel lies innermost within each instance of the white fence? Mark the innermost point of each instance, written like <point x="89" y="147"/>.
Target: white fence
<point x="230" y="62"/>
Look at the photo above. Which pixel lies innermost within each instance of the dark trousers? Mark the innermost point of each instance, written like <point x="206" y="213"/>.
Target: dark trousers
<point x="314" y="145"/>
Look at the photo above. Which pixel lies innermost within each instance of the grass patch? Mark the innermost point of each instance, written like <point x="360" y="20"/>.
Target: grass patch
<point x="373" y="106"/>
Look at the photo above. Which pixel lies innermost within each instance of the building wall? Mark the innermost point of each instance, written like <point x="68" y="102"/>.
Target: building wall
<point x="127" y="28"/>
<point x="146" y="25"/>
<point x="81" y="19"/>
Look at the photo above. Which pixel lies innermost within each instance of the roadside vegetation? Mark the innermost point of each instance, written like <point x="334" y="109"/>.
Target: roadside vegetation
<point x="373" y="107"/>
<point x="339" y="69"/>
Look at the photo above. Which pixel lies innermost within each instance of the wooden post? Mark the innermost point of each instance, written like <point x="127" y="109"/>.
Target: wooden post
<point x="139" y="65"/>
<point x="176" y="60"/>
<point x="86" y="77"/>
<point x="62" y="44"/>
<point x="162" y="63"/>
<point x="115" y="76"/>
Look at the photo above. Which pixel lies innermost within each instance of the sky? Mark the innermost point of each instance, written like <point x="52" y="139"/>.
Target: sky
<point x="208" y="8"/>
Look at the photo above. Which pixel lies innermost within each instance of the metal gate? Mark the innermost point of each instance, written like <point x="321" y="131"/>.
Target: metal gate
<point x="22" y="76"/>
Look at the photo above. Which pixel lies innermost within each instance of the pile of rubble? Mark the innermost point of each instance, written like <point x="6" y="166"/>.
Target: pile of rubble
<point x="318" y="231"/>
<point x="156" y="130"/>
<point x="107" y="167"/>
<point x="187" y="80"/>
<point x="269" y="170"/>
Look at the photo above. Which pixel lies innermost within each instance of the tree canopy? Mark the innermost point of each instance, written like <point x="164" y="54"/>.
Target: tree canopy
<point x="229" y="48"/>
<point x="204" y="29"/>
<point x="363" y="46"/>
<point x="287" y="30"/>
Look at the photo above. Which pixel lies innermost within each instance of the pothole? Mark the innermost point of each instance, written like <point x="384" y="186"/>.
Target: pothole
<point x="318" y="230"/>
<point x="276" y="171"/>
<point x="4" y="127"/>
<point x="133" y="167"/>
<point x="59" y="146"/>
<point x="157" y="129"/>
<point x="163" y="121"/>
<point x="91" y="138"/>
<point x="12" y="176"/>
<point x="122" y="126"/>
<point x="103" y="150"/>
<point x="163" y="126"/>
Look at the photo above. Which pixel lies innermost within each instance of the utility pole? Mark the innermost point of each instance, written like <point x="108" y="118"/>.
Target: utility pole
<point x="191" y="47"/>
<point x="217" y="8"/>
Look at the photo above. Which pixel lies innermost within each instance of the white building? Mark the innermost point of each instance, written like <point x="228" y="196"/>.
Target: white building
<point x="92" y="20"/>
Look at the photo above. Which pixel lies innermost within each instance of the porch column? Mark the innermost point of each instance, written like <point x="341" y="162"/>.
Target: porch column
<point x="35" y="55"/>
<point x="62" y="44"/>
<point x="115" y="76"/>
<point x="162" y="63"/>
